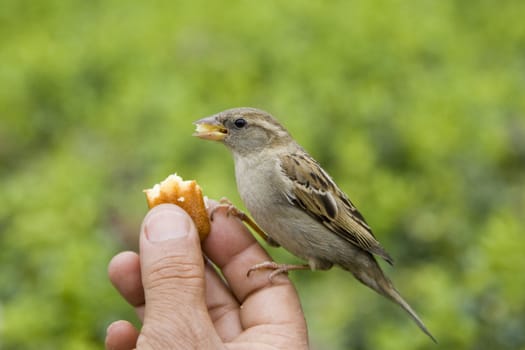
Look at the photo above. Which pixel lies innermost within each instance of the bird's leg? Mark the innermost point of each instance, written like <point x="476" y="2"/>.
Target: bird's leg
<point x="277" y="268"/>
<point x="232" y="210"/>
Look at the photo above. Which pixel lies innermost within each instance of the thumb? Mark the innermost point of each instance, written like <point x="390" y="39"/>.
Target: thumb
<point x="172" y="269"/>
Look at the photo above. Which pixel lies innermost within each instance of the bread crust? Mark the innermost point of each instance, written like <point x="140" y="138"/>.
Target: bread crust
<point x="185" y="194"/>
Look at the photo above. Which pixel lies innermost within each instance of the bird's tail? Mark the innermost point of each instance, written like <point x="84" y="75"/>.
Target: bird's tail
<point x="394" y="295"/>
<point x="374" y="278"/>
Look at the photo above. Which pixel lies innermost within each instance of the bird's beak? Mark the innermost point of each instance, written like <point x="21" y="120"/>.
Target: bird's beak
<point x="210" y="129"/>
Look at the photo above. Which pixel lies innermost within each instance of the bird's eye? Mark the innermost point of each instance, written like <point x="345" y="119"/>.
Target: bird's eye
<point x="240" y="123"/>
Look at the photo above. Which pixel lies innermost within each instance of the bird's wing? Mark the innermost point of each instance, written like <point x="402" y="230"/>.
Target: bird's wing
<point x="316" y="193"/>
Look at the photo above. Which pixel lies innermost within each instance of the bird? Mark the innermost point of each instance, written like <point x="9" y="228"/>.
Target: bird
<point x="296" y="204"/>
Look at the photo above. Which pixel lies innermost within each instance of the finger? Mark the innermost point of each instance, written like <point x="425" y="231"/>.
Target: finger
<point x="222" y="306"/>
<point x="173" y="278"/>
<point x="124" y="273"/>
<point x="121" y="335"/>
<point x="234" y="250"/>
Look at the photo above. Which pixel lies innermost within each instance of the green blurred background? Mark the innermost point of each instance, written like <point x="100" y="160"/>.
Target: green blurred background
<point x="415" y="108"/>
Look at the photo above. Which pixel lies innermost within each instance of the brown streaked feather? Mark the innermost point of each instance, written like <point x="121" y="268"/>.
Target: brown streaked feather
<point x="316" y="193"/>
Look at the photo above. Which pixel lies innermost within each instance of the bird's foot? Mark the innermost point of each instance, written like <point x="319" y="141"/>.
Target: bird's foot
<point x="277" y="268"/>
<point x="230" y="209"/>
<point x="233" y="211"/>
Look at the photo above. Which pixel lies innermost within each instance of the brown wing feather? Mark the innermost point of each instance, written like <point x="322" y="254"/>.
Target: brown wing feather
<point x="317" y="194"/>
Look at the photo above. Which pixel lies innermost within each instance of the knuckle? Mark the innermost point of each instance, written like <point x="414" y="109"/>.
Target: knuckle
<point x="173" y="269"/>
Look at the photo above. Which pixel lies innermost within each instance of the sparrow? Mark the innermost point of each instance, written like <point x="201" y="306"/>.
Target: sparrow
<point x="296" y="203"/>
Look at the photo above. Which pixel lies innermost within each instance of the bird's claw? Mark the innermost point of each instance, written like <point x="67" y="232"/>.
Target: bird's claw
<point x="233" y="211"/>
<point x="277" y="268"/>
<point x="230" y="209"/>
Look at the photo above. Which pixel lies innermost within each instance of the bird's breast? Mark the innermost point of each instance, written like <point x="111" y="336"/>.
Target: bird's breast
<point x="258" y="182"/>
<point x="262" y="189"/>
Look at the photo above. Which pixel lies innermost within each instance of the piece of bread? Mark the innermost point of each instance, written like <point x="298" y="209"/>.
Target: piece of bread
<point x="185" y="194"/>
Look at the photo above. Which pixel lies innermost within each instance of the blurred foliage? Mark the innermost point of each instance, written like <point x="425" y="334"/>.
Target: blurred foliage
<point x="415" y="108"/>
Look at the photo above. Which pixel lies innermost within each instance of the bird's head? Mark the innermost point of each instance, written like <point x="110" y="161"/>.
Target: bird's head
<point x="243" y="130"/>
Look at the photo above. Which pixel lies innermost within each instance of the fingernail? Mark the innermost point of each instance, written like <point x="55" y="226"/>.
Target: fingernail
<point x="167" y="223"/>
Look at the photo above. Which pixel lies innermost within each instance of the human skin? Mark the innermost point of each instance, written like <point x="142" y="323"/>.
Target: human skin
<point x="182" y="301"/>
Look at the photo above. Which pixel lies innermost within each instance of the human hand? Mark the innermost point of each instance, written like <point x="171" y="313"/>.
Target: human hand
<point x="183" y="302"/>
